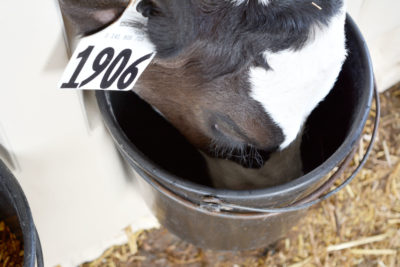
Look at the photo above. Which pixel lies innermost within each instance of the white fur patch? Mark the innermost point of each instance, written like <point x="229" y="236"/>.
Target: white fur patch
<point x="299" y="80"/>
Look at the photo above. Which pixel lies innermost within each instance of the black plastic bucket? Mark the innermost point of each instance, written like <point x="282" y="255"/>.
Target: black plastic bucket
<point x="176" y="184"/>
<point x="15" y="211"/>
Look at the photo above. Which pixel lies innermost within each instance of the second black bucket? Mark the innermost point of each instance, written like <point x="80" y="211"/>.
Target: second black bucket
<point x="175" y="182"/>
<point x="15" y="211"/>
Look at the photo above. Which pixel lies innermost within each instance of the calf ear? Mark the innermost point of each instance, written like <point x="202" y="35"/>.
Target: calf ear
<point x="89" y="16"/>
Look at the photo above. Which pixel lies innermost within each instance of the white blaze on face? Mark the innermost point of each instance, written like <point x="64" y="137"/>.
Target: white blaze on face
<point x="299" y="80"/>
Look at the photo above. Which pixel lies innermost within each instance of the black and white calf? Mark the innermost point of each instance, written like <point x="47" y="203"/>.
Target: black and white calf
<point x="238" y="78"/>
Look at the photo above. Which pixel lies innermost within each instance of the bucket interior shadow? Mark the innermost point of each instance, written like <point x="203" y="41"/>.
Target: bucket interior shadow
<point x="329" y="124"/>
<point x="157" y="139"/>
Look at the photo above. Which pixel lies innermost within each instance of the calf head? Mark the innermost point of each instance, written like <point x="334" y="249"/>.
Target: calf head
<point x="205" y="50"/>
<point x="199" y="79"/>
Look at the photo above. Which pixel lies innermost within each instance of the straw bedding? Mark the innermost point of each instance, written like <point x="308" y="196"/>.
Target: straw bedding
<point x="359" y="226"/>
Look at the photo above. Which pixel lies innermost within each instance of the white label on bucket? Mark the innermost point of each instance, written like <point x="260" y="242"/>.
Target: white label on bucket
<point x="112" y="59"/>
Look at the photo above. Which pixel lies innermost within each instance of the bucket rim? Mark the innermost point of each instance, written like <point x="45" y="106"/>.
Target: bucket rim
<point x="148" y="166"/>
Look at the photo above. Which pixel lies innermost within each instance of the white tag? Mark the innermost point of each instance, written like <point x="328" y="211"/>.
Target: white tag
<point x="112" y="59"/>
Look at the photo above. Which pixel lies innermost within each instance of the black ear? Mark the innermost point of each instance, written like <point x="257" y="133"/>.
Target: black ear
<point x="89" y="16"/>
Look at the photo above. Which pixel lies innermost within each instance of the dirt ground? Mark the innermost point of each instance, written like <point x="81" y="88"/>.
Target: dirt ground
<point x="359" y="226"/>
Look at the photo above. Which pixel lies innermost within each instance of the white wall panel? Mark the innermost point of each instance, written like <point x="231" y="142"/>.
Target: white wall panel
<point x="379" y="21"/>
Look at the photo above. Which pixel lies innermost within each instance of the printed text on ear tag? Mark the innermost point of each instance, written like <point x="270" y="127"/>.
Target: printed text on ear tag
<point x="112" y="59"/>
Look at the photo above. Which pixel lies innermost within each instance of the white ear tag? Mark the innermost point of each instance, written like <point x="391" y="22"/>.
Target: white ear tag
<point x="112" y="59"/>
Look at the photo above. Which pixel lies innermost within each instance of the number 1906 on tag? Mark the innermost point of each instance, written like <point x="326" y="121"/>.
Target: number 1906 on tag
<point x="109" y="69"/>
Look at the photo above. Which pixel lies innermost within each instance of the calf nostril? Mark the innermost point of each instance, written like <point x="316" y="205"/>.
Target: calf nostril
<point x="226" y="130"/>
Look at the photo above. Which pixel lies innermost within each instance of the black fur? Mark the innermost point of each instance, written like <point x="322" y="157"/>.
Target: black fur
<point x="231" y="36"/>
